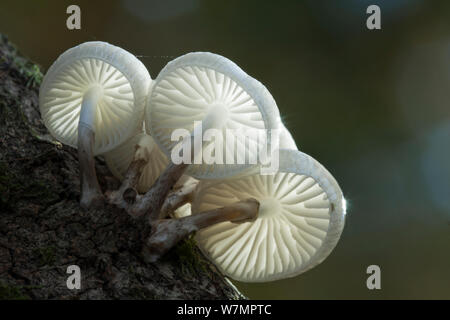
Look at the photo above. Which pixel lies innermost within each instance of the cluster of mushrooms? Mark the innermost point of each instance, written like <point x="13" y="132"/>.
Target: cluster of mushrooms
<point x="100" y="99"/>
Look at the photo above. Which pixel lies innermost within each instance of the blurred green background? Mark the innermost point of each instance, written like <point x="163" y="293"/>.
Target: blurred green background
<point x="372" y="106"/>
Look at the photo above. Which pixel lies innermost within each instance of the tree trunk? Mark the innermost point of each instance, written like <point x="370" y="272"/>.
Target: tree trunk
<point x="43" y="229"/>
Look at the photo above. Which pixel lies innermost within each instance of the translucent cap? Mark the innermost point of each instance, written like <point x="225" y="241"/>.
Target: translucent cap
<point x="122" y="80"/>
<point x="300" y="220"/>
<point x="207" y="88"/>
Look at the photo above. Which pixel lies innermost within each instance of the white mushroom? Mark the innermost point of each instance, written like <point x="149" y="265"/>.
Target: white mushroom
<point x="92" y="98"/>
<point x="215" y="92"/>
<point x="210" y="89"/>
<point x="301" y="217"/>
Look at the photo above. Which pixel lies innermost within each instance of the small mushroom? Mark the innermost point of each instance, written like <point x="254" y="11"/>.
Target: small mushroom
<point x="211" y="89"/>
<point x="215" y="92"/>
<point x="92" y="98"/>
<point x="300" y="219"/>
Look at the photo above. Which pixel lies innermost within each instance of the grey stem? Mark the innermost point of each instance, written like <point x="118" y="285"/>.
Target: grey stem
<point x="150" y="204"/>
<point x="178" y="198"/>
<point x="168" y="232"/>
<point x="126" y="195"/>
<point x="91" y="194"/>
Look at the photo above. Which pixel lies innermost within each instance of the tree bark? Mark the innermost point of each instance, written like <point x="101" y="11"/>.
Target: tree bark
<point x="43" y="230"/>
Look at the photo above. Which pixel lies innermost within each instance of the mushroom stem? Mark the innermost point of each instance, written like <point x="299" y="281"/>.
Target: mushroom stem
<point x="167" y="233"/>
<point x="126" y="195"/>
<point x="152" y="201"/>
<point x="91" y="194"/>
<point x="178" y="198"/>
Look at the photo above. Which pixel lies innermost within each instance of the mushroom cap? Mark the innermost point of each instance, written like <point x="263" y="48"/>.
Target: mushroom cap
<point x="300" y="220"/>
<point x="200" y="83"/>
<point x="119" y="159"/>
<point x="183" y="211"/>
<point x="286" y="139"/>
<point x="123" y="80"/>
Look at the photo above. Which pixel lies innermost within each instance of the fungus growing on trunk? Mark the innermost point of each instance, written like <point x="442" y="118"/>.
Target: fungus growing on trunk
<point x="300" y="219"/>
<point x="254" y="227"/>
<point x="92" y="98"/>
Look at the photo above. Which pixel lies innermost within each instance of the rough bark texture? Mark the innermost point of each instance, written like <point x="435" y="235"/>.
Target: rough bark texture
<point x="43" y="229"/>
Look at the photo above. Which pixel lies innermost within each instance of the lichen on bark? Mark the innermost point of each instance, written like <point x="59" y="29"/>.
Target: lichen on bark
<point x="43" y="230"/>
